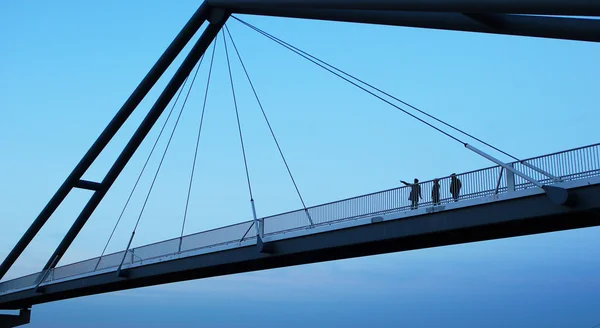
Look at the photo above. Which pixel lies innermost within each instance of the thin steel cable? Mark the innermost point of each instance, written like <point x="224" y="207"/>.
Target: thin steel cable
<point x="166" y="149"/>
<point x="144" y="167"/>
<point x="265" y="116"/>
<point x="237" y="115"/>
<point x="354" y="83"/>
<point x="305" y="55"/>
<point x="198" y="138"/>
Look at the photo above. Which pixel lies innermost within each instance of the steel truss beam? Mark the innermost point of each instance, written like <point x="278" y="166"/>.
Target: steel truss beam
<point x="521" y="25"/>
<point x="491" y="16"/>
<point x="532" y="7"/>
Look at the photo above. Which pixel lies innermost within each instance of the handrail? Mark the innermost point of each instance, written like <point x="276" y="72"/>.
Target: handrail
<point x="481" y="182"/>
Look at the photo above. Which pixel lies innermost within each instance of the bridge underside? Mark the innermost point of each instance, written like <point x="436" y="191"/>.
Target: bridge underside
<point x="515" y="217"/>
<point x="10" y="320"/>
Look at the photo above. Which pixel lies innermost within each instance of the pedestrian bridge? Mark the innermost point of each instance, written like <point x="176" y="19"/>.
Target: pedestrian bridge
<point x="494" y="203"/>
<point x="553" y="192"/>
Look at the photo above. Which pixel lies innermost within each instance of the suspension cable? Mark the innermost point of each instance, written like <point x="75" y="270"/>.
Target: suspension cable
<point x="160" y="163"/>
<point x="353" y="83"/>
<point x="237" y="115"/>
<point x="168" y="144"/>
<point x="142" y="171"/>
<point x="198" y="140"/>
<point x="256" y="222"/>
<point x="320" y="63"/>
<point x="267" y="120"/>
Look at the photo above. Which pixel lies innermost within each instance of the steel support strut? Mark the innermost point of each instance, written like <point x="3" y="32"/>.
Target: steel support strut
<point x="165" y="60"/>
<point x="557" y="195"/>
<point x="161" y="103"/>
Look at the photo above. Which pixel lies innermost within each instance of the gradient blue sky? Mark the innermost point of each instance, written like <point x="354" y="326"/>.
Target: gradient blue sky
<point x="67" y="66"/>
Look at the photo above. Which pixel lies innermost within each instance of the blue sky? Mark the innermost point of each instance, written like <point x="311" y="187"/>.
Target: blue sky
<point x="68" y="66"/>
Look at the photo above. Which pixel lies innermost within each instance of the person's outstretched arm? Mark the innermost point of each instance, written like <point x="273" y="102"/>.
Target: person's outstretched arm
<point x="406" y="183"/>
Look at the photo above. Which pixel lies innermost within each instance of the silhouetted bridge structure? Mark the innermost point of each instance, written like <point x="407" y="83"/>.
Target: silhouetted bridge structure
<point x="553" y="192"/>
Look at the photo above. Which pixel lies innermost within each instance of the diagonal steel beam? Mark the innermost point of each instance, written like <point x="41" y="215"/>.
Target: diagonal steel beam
<point x="142" y="131"/>
<point x="536" y="7"/>
<point x="72" y="181"/>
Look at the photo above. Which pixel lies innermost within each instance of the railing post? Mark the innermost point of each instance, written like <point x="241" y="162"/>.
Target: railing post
<point x="499" y="180"/>
<point x="510" y="180"/>
<point x="256" y="221"/>
<point x="261" y="226"/>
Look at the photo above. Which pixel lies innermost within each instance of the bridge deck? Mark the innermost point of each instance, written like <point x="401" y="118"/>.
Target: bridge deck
<point x="493" y="204"/>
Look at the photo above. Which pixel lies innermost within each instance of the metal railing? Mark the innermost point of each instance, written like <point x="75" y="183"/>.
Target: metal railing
<point x="573" y="164"/>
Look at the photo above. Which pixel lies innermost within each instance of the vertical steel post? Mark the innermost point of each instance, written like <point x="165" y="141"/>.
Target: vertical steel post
<point x="262" y="227"/>
<point x="499" y="180"/>
<point x="256" y="222"/>
<point x="510" y="181"/>
<point x="165" y="60"/>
